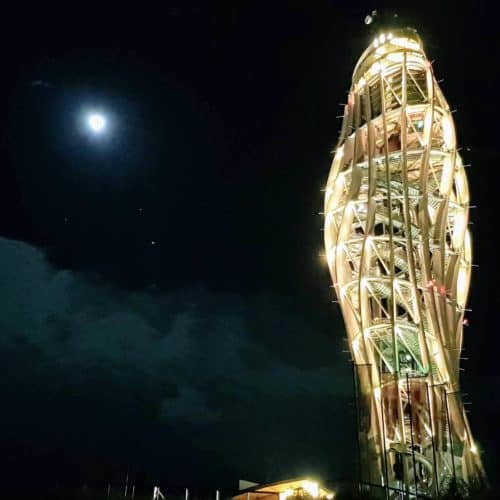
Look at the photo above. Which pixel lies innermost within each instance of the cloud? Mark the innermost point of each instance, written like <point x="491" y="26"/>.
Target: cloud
<point x="188" y="406"/>
<point x="238" y="370"/>
<point x="41" y="83"/>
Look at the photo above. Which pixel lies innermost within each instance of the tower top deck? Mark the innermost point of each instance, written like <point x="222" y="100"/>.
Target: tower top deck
<point x="387" y="40"/>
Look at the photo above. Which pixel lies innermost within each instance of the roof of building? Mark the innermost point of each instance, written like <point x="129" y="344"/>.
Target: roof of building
<point x="285" y="489"/>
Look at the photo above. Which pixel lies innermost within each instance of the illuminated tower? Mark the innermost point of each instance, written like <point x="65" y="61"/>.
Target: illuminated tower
<point x="399" y="253"/>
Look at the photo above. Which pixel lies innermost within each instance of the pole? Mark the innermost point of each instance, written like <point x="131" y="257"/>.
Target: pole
<point x="450" y="436"/>
<point x="432" y="427"/>
<point x="354" y="377"/>
<point x="384" y="447"/>
<point x="410" y="402"/>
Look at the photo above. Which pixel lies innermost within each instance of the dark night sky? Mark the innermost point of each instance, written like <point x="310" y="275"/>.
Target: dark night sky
<point x="215" y="353"/>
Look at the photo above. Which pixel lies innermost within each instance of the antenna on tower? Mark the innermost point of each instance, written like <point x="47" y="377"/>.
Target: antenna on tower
<point x="376" y="20"/>
<point x="370" y="17"/>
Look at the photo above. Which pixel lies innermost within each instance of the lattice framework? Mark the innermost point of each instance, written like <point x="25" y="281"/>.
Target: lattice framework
<point x="399" y="252"/>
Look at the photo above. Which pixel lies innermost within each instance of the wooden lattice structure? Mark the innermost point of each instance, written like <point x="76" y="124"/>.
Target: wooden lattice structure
<point x="399" y="252"/>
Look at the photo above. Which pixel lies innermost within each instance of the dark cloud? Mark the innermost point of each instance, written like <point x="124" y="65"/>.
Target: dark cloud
<point x="193" y="374"/>
<point x="41" y="83"/>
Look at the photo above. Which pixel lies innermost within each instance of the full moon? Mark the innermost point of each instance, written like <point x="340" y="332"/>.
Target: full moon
<point x="96" y="122"/>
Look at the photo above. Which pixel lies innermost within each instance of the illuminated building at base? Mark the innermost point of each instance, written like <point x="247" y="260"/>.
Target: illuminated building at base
<point x="399" y="253"/>
<point x="292" y="489"/>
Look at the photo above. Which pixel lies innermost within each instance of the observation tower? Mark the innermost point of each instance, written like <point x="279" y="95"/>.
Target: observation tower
<point x="399" y="253"/>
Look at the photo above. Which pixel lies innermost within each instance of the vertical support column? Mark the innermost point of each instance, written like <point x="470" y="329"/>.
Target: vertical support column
<point x="450" y="433"/>
<point x="410" y="403"/>
<point x="393" y="307"/>
<point x="433" y="433"/>
<point x="424" y="351"/>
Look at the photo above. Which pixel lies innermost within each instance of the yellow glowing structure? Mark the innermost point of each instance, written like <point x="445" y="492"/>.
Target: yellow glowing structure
<point x="399" y="253"/>
<point x="283" y="490"/>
